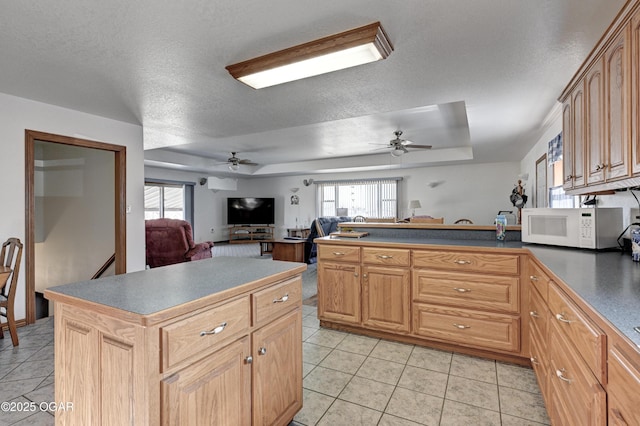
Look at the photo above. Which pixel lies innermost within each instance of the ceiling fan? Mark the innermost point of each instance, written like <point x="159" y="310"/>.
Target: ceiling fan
<point x="399" y="146"/>
<point x="235" y="162"/>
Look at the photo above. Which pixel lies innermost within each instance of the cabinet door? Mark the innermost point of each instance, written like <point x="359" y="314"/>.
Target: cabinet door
<point x="567" y="144"/>
<point x="578" y="126"/>
<point x="635" y="93"/>
<point x="617" y="97"/>
<point x="594" y="137"/>
<point x="213" y="391"/>
<point x="386" y="298"/>
<point x="339" y="292"/>
<point x="623" y="390"/>
<point x="277" y="371"/>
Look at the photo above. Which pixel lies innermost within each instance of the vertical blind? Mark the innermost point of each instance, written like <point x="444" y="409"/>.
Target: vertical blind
<point x="367" y="197"/>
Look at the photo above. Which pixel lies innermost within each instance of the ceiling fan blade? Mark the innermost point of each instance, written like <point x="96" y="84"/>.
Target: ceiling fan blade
<point x="420" y="146"/>
<point x="248" y="162"/>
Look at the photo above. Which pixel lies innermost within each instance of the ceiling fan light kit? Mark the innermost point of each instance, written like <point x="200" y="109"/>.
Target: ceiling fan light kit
<point x="339" y="51"/>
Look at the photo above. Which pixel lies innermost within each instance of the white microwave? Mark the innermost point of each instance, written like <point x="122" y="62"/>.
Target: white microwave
<point x="592" y="228"/>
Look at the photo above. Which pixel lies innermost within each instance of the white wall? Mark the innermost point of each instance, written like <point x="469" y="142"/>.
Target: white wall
<point x="473" y="191"/>
<point x="18" y="114"/>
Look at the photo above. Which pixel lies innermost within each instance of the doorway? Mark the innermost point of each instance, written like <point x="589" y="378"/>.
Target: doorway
<point x="80" y="186"/>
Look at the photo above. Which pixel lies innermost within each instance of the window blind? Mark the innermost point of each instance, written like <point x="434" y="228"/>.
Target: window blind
<point x="371" y="198"/>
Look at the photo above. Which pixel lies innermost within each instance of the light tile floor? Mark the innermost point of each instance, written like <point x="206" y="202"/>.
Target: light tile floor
<point x="356" y="380"/>
<point x="348" y="380"/>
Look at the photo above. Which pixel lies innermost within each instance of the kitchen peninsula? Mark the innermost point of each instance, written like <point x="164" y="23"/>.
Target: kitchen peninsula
<point x="569" y="313"/>
<point x="217" y="339"/>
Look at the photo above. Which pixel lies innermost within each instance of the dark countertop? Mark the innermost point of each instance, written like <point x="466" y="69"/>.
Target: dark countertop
<point x="154" y="290"/>
<point x="609" y="281"/>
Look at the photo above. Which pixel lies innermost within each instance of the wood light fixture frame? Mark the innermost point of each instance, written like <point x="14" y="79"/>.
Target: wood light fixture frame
<point x="372" y="34"/>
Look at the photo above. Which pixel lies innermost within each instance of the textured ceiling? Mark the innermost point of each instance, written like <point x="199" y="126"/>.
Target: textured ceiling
<point x="473" y="78"/>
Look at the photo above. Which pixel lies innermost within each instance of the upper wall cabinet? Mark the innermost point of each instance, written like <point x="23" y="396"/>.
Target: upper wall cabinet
<point x="601" y="111"/>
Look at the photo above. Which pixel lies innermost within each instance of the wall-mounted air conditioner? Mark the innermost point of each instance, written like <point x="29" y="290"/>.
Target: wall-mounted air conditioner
<point x="218" y="184"/>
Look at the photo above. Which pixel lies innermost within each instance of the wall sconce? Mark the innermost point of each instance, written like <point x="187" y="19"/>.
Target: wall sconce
<point x="203" y="181"/>
<point x="307" y="182"/>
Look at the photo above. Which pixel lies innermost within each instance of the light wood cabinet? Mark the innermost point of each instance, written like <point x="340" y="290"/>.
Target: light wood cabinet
<point x="617" y="106"/>
<point x="386" y="298"/>
<point x="338" y="291"/>
<point x="635" y="94"/>
<point x="576" y="396"/>
<point x="573" y="140"/>
<point x="229" y="358"/>
<point x="623" y="389"/>
<point x="277" y="370"/>
<point x="214" y="388"/>
<point x="595" y="116"/>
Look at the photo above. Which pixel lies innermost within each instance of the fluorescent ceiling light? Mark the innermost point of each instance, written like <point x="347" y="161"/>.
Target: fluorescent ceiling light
<point x="339" y="51"/>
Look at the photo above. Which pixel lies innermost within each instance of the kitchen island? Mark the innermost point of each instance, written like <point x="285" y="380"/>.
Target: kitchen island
<point x="217" y="339"/>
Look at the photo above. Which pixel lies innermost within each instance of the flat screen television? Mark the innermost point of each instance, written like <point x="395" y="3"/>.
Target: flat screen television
<point x="250" y="211"/>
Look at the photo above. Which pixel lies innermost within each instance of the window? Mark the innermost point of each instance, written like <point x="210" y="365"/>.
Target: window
<point x="367" y="197"/>
<point x="171" y="200"/>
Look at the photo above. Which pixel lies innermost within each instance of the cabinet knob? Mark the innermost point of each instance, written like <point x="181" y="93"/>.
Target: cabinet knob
<point x="560" y="375"/>
<point x="569" y="177"/>
<point x="534" y="314"/>
<point x="364" y="275"/>
<point x="262" y="351"/>
<point x="533" y="278"/>
<point x="355" y="274"/>
<point x="282" y="299"/>
<point x="218" y="329"/>
<point x="534" y="360"/>
<point x="248" y="359"/>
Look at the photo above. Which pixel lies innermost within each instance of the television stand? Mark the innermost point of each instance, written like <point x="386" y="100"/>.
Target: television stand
<point x="245" y="234"/>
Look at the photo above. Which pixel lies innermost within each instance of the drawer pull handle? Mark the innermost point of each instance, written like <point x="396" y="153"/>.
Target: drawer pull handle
<point x="282" y="299"/>
<point x="533" y="278"/>
<point x="560" y="317"/>
<point x="262" y="351"/>
<point x="217" y="330"/>
<point x="384" y="256"/>
<point x="534" y="314"/>
<point x="462" y="262"/>
<point x="560" y="374"/>
<point x="461" y="326"/>
<point x="534" y="360"/>
<point x="338" y="253"/>
<point x="462" y="290"/>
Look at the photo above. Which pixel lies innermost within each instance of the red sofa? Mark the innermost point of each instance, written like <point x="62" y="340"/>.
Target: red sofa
<point x="170" y="241"/>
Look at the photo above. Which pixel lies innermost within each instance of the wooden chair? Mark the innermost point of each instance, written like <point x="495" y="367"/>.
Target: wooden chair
<point x="359" y="219"/>
<point x="463" y="221"/>
<point x="10" y="256"/>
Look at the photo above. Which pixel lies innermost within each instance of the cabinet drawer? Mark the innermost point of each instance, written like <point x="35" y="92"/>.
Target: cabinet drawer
<point x="276" y="300"/>
<point x="385" y="256"/>
<point x="338" y="253"/>
<point x="538" y="312"/>
<point x="185" y="338"/>
<point x="588" y="339"/>
<point x="623" y="389"/>
<point x="539" y="279"/>
<point x="467" y="290"/>
<point x="577" y="398"/>
<point x="463" y="261"/>
<point x="466" y="327"/>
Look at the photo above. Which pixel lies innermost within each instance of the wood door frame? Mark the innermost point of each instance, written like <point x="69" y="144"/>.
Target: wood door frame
<point x="31" y="136"/>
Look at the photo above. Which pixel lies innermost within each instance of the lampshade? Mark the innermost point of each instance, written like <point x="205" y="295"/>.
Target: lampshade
<point x="234" y="167"/>
<point x="339" y="51"/>
<point x="397" y="151"/>
<point x="414" y="204"/>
